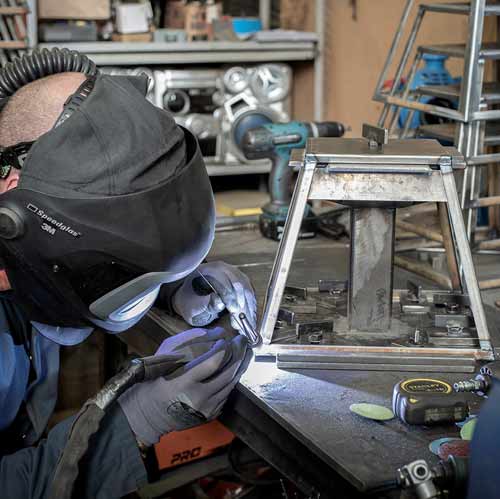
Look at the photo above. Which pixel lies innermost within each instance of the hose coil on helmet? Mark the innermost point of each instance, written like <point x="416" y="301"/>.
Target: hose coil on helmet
<point x="41" y="63"/>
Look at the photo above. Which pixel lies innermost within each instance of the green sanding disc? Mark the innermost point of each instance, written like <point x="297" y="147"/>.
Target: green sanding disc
<point x="468" y="429"/>
<point x="372" y="411"/>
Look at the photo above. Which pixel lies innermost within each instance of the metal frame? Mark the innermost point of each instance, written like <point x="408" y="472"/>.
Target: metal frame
<point x="322" y="178"/>
<point x="473" y="95"/>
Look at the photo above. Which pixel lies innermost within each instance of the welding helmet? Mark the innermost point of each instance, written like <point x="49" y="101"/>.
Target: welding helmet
<point x="112" y="203"/>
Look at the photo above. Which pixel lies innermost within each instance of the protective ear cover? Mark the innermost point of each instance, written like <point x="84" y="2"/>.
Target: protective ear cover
<point x="11" y="224"/>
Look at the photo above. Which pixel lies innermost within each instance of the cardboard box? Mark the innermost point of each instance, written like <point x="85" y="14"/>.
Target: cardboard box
<point x="132" y="18"/>
<point x="132" y="37"/>
<point x="74" y="9"/>
<point x="175" y="14"/>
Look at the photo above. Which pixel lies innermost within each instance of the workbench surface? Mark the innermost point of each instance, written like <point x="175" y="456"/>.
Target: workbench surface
<point x="313" y="405"/>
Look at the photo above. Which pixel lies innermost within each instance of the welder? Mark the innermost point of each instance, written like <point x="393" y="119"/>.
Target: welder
<point x="105" y="204"/>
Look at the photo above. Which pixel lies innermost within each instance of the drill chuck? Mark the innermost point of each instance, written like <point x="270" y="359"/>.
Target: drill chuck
<point x="325" y="129"/>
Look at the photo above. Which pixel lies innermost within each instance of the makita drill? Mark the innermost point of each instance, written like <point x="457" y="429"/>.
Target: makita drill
<point x="275" y="141"/>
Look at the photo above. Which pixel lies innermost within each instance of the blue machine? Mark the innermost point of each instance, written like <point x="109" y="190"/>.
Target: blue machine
<point x="434" y="72"/>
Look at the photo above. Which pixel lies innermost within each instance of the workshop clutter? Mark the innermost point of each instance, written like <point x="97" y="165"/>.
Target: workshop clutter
<point x="141" y="21"/>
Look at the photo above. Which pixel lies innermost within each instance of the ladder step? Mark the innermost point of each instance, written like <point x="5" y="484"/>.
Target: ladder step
<point x="488" y="50"/>
<point x="446" y="132"/>
<point x="13" y="11"/>
<point x="13" y="45"/>
<point x="484" y="202"/>
<point x="490" y="95"/>
<point x="461" y="8"/>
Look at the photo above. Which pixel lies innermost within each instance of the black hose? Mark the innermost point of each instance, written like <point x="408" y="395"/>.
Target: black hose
<point x="87" y="421"/>
<point x="40" y="63"/>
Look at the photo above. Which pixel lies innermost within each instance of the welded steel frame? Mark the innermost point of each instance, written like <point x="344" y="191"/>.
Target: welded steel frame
<point x="319" y="180"/>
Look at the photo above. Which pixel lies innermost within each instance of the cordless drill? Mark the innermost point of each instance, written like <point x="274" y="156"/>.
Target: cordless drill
<point x="275" y="142"/>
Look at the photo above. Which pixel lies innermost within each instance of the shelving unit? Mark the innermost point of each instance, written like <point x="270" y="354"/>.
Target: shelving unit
<point x="122" y="53"/>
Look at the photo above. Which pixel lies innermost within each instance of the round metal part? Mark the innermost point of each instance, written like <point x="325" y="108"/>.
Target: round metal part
<point x="11" y="224"/>
<point x="315" y="338"/>
<point x="236" y="79"/>
<point x="454" y="329"/>
<point x="202" y="125"/>
<point x="176" y="101"/>
<point x="270" y="82"/>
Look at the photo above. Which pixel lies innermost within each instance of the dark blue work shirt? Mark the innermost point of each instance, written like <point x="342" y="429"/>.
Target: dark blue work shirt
<point x="29" y="369"/>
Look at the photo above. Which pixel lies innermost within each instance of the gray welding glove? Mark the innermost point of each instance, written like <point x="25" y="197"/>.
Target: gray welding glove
<point x="232" y="285"/>
<point x="192" y="395"/>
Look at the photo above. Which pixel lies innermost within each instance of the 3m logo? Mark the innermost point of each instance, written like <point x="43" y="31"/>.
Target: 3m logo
<point x="54" y="224"/>
<point x="186" y="455"/>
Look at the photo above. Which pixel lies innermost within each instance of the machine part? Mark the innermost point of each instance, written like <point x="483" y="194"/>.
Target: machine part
<point x="372" y="411"/>
<point x="411" y="308"/>
<point x="418" y="476"/>
<point x="446" y="479"/>
<point x="449" y="320"/>
<point x="88" y="419"/>
<point x="332" y="285"/>
<point x="271" y="82"/>
<point x="296" y="291"/>
<point x="445" y="300"/>
<point x="303" y="328"/>
<point x="217" y="105"/>
<point x="236" y="79"/>
<point x="315" y="338"/>
<point x="370" y="290"/>
<point x="285" y="315"/>
<point x="482" y="383"/>
<point x="427" y="401"/>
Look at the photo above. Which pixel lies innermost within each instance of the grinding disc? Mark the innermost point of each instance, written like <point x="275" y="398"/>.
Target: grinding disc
<point x="372" y="411"/>
<point x="467" y="430"/>
<point x="457" y="447"/>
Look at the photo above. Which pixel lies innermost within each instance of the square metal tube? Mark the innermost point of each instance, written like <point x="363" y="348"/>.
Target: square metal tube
<point x="371" y="268"/>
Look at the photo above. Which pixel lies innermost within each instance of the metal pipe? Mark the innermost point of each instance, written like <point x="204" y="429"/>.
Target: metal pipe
<point x="265" y="13"/>
<point x="449" y="246"/>
<point x="423" y="270"/>
<point x="406" y="53"/>
<point x="421" y="230"/>
<point x="392" y="50"/>
<point x="319" y="62"/>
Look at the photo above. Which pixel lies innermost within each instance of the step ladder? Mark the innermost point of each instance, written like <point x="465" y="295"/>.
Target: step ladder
<point x="475" y="124"/>
<point x="17" y="28"/>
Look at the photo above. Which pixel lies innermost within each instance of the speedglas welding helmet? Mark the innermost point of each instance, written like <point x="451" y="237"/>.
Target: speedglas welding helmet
<point x="112" y="202"/>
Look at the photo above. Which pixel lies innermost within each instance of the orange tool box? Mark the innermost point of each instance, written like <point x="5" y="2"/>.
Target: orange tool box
<point x="180" y="447"/>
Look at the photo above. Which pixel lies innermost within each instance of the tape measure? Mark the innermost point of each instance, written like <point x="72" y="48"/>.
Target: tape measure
<point x="426" y="401"/>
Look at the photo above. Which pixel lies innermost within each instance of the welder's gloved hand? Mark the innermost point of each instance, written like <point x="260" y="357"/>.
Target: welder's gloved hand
<point x="194" y="393"/>
<point x="231" y="284"/>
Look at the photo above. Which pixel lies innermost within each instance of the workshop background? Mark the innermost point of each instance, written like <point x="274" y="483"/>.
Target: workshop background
<point x="222" y="67"/>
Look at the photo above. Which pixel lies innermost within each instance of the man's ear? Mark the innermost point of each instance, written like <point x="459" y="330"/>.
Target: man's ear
<point x="12" y="180"/>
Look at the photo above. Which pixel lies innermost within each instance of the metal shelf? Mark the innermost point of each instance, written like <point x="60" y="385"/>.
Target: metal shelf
<point x="488" y="50"/>
<point x="490" y="93"/>
<point x="127" y="53"/>
<point x="461" y="8"/>
<point x="446" y="131"/>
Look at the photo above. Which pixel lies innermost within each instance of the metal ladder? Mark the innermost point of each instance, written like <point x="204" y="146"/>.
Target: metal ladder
<point x="17" y="28"/>
<point x="475" y="124"/>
